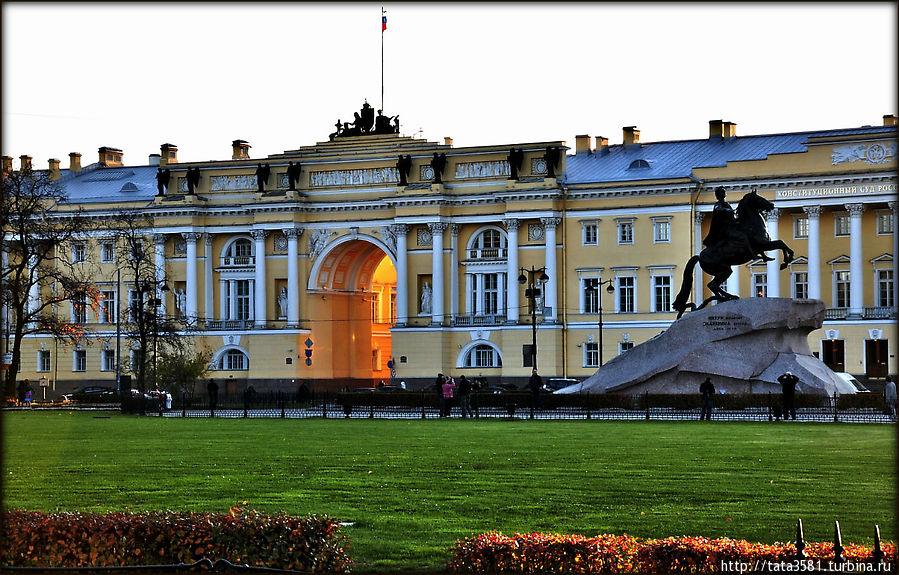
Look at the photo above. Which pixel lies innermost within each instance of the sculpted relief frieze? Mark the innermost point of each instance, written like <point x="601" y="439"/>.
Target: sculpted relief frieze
<point x="493" y="169"/>
<point x="361" y="177"/>
<point x="875" y="153"/>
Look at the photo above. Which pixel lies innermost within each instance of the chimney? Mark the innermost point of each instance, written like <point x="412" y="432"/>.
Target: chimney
<point x="75" y="162"/>
<point x="716" y="129"/>
<point x="889" y="119"/>
<point x="448" y="141"/>
<point x="631" y="135"/>
<point x="240" y="150"/>
<point x="582" y="144"/>
<point x="25" y="165"/>
<point x="154" y="159"/>
<point x="7" y="165"/>
<point x="169" y="154"/>
<point x="730" y="130"/>
<point x="54" y="169"/>
<point x="602" y="145"/>
<point x="110" y="157"/>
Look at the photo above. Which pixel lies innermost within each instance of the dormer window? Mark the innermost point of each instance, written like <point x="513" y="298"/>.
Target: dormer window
<point x="639" y="165"/>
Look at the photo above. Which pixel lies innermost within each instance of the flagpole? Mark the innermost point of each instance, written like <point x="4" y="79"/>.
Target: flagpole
<point x="383" y="26"/>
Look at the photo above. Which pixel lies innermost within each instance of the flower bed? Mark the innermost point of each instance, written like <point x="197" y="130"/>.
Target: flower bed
<point x="37" y="539"/>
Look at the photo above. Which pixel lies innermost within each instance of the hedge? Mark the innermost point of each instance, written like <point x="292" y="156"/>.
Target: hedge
<point x="541" y="552"/>
<point x="38" y="539"/>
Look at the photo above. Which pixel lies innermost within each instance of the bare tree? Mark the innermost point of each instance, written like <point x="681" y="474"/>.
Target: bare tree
<point x="37" y="272"/>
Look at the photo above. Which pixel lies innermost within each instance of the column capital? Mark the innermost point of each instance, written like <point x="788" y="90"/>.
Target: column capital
<point x="855" y="209"/>
<point x="812" y="211"/>
<point x="191" y="237"/>
<point x="209" y="238"/>
<point x="772" y="215"/>
<point x="455" y="229"/>
<point x="512" y="224"/>
<point x="438" y="227"/>
<point x="698" y="217"/>
<point x="258" y="235"/>
<point x="400" y="229"/>
<point x="292" y="232"/>
<point x="159" y="238"/>
<point x="892" y="206"/>
<point x="551" y="223"/>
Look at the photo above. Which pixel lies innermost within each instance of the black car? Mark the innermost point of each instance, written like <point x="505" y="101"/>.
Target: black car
<point x="92" y="394"/>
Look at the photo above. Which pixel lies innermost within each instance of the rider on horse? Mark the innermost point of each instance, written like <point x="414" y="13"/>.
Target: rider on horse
<point x="723" y="227"/>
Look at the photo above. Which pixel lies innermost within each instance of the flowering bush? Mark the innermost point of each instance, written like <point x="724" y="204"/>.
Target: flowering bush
<point x="37" y="539"/>
<point x="540" y="552"/>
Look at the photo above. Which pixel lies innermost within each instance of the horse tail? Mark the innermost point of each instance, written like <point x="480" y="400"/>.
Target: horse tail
<point x="680" y="302"/>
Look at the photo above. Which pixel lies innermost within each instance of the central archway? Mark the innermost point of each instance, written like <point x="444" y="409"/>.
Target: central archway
<point x="352" y="289"/>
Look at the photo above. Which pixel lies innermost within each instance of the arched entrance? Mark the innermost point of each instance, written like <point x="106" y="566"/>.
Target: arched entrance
<point x="352" y="291"/>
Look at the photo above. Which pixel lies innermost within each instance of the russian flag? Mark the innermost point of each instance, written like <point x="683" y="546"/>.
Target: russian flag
<point x="383" y="21"/>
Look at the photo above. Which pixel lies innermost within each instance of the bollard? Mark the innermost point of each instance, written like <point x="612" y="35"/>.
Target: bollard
<point x="837" y="543"/>
<point x="800" y="544"/>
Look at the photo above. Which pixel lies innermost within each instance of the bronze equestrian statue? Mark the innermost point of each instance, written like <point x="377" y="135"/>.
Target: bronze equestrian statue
<point x="733" y="239"/>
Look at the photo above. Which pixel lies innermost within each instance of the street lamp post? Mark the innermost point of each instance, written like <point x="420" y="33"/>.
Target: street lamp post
<point x="610" y="288"/>
<point x="534" y="284"/>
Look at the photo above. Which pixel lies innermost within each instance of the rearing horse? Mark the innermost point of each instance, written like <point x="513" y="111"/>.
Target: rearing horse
<point x="716" y="260"/>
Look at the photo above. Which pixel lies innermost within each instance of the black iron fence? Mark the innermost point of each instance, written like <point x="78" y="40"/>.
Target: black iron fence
<point x="862" y="408"/>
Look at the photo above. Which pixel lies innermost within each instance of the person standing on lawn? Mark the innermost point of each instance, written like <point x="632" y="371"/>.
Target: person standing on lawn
<point x="707" y="391"/>
<point x="788" y="383"/>
<point x="535" y="384"/>
<point x="889" y="395"/>
<point x="448" y="386"/>
<point x="464" y="393"/>
<point x="438" y="387"/>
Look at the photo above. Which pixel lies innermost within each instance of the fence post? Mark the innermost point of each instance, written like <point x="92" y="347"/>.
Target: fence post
<point x="646" y="397"/>
<point x="837" y="543"/>
<point x="371" y="405"/>
<point x="183" y="404"/>
<point x="771" y="417"/>
<point x="281" y="399"/>
<point x="422" y="404"/>
<point x="836" y="398"/>
<point x="877" y="555"/>
<point x="800" y="544"/>
<point x="245" y="406"/>
<point x="325" y="404"/>
<point x="588" y="406"/>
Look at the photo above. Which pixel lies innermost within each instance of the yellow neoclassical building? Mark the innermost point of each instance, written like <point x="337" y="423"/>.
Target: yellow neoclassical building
<point x="373" y="255"/>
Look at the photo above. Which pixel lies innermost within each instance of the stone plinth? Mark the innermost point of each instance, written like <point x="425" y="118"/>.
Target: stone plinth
<point x="743" y="345"/>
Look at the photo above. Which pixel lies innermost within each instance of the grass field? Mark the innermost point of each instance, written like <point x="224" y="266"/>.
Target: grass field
<point x="411" y="488"/>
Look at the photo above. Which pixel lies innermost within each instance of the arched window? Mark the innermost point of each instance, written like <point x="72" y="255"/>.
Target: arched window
<point x="490" y="244"/>
<point x="483" y="355"/>
<point x="234" y="360"/>
<point x="485" y="278"/>
<point x="639" y="165"/>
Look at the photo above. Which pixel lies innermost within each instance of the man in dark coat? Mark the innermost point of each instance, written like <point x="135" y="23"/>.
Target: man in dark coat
<point x="464" y="393"/>
<point x="213" y="389"/>
<point x="535" y="384"/>
<point x="707" y="391"/>
<point x="788" y="383"/>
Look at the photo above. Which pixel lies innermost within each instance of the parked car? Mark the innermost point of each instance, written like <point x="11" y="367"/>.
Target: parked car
<point x="92" y="394"/>
<point x="554" y="384"/>
<point x="850" y="379"/>
<point x="498" y="388"/>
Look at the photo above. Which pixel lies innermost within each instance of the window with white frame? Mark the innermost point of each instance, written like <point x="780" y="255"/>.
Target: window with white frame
<point x="136" y="253"/>
<point x="590" y="287"/>
<point x="661" y="230"/>
<point x="375" y="308"/>
<point x="107" y="306"/>
<point x="591" y="354"/>
<point x="625" y="231"/>
<point x="107" y="360"/>
<point x="760" y="284"/>
<point x="234" y="360"/>
<point x="79" y="253"/>
<point x="485" y="292"/>
<point x="43" y="360"/>
<point x="626" y="295"/>
<point x="133" y="305"/>
<point x="884" y="222"/>
<point x="624" y="346"/>
<point x="135" y="359"/>
<point x="885" y="288"/>
<point x="800" y="228"/>
<point x="483" y="355"/>
<point x="242" y="303"/>
<point x="79" y="360"/>
<point x="107" y="252"/>
<point x="590" y="236"/>
<point x="800" y="285"/>
<point x="490" y="244"/>
<point x="841" y="288"/>
<point x="661" y="293"/>
<point x="79" y="307"/>
<point x="841" y="225"/>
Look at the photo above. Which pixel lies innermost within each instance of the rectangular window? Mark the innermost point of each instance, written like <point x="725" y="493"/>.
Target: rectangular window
<point x="800" y="228"/>
<point x="591" y="354"/>
<point x="661" y="231"/>
<point x="624" y="346"/>
<point x="107" y="360"/>
<point x="840" y="225"/>
<point x="375" y="308"/>
<point x="43" y="360"/>
<point x="79" y="308"/>
<point x="800" y="285"/>
<point x="841" y="293"/>
<point x="760" y="285"/>
<point x="625" y="232"/>
<point x="78" y="253"/>
<point x="79" y="360"/>
<point x="491" y="293"/>
<point x="483" y="356"/>
<point x="107" y="306"/>
<point x="884" y="222"/>
<point x="885" y="288"/>
<point x="591" y="295"/>
<point x="243" y="299"/>
<point x="107" y="252"/>
<point x="136" y="360"/>
<point x="591" y="234"/>
<point x="392" y="306"/>
<point x="661" y="293"/>
<point x="626" y="294"/>
<point x="133" y="305"/>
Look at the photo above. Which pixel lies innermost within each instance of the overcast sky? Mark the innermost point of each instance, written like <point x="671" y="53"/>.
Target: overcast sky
<point x="77" y="76"/>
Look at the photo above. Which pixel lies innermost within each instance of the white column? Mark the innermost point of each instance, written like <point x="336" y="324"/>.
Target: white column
<point x="293" y="277"/>
<point x="551" y="287"/>
<point x="697" y="247"/>
<point x="895" y="212"/>
<point x="512" y="270"/>
<point x="814" y="251"/>
<point x="159" y="263"/>
<point x="454" y="271"/>
<point x="259" y="289"/>
<point x="208" y="312"/>
<point x="402" y="273"/>
<point x="224" y="308"/>
<point x="232" y="299"/>
<point x="34" y="291"/>
<point x="252" y="317"/>
<point x="773" y="265"/>
<point x="437" y="230"/>
<point x="191" y="238"/>
<point x="856" y="275"/>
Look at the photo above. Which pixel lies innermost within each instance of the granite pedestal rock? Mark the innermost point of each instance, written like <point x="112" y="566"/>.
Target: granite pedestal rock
<point x="743" y="345"/>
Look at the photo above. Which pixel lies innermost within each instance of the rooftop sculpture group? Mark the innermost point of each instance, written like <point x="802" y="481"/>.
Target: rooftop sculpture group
<point x="365" y="123"/>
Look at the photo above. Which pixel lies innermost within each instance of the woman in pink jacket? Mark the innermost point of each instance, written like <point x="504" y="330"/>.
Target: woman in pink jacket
<point x="449" y="384"/>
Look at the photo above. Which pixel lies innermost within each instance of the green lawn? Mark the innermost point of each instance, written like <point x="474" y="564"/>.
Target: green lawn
<point x="411" y="488"/>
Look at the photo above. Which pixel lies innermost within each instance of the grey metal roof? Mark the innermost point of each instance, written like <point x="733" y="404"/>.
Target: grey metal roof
<point x="677" y="159"/>
<point x="98" y="184"/>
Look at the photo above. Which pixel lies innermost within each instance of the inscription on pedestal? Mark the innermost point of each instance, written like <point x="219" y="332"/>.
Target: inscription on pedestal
<point x="725" y="323"/>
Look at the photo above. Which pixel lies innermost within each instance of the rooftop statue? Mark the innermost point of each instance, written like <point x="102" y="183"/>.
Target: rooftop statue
<point x="262" y="173"/>
<point x="365" y="123"/>
<point x="734" y="238"/>
<point x="552" y="156"/>
<point x="162" y="181"/>
<point x="516" y="157"/>
<point x="193" y="180"/>
<point x="438" y="164"/>
<point x="404" y="166"/>
<point x="293" y="175"/>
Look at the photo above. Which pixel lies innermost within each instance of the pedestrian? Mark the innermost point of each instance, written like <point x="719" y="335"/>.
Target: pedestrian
<point x="707" y="391"/>
<point x="535" y="384"/>
<point x="889" y="395"/>
<point x="464" y="393"/>
<point x="213" y="389"/>
<point x="788" y="383"/>
<point x="438" y="387"/>
<point x="449" y="384"/>
<point x="22" y="389"/>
